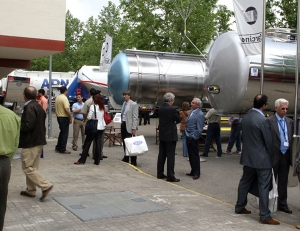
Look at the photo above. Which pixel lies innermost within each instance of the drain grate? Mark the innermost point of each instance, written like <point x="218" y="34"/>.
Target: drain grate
<point x="98" y="206"/>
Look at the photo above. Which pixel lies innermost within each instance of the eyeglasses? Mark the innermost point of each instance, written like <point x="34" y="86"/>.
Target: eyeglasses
<point x="284" y="108"/>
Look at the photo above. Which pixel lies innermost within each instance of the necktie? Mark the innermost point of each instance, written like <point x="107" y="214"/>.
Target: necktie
<point x="283" y="139"/>
<point x="191" y="113"/>
<point x="122" y="113"/>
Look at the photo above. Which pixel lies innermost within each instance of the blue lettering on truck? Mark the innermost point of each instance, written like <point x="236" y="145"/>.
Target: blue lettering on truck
<point x="63" y="82"/>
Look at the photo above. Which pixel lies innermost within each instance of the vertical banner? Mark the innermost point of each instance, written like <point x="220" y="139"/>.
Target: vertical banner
<point x="106" y="53"/>
<point x="249" y="17"/>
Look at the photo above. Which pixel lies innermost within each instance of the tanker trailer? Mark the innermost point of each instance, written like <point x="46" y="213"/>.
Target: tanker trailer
<point x="232" y="79"/>
<point x="149" y="75"/>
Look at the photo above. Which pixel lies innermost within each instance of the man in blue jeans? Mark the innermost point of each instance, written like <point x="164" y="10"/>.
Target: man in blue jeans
<point x="64" y="119"/>
<point x="235" y="135"/>
<point x="213" y="131"/>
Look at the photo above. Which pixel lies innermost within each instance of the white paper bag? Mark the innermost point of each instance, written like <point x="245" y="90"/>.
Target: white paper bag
<point x="273" y="195"/>
<point x="135" y="146"/>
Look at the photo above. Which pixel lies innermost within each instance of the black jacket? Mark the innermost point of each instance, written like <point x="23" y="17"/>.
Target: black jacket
<point x="33" y="129"/>
<point x="168" y="118"/>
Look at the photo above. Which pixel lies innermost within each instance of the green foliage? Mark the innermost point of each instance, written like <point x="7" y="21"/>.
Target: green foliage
<point x="157" y="25"/>
<point x="281" y="13"/>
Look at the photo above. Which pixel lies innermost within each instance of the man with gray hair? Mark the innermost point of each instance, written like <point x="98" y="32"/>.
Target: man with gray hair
<point x="282" y="132"/>
<point x="168" y="118"/>
<point x="193" y="130"/>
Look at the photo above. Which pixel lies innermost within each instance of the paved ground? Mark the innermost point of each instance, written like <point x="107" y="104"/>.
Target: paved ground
<point x="205" y="204"/>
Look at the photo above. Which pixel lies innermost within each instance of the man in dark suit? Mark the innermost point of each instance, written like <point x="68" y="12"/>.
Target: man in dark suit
<point x="257" y="160"/>
<point x="168" y="118"/>
<point x="282" y="132"/>
<point x="129" y="116"/>
<point x="193" y="131"/>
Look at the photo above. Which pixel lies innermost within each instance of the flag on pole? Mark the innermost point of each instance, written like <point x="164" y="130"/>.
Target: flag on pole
<point x="106" y="53"/>
<point x="249" y="17"/>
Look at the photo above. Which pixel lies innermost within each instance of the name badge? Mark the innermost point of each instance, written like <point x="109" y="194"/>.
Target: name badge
<point x="286" y="144"/>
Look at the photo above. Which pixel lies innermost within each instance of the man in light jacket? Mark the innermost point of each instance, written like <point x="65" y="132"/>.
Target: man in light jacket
<point x="129" y="125"/>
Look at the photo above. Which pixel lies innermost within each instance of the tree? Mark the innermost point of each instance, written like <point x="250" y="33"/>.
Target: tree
<point x="111" y="22"/>
<point x="160" y="24"/>
<point x="90" y="44"/>
<point x="223" y="18"/>
<point x="281" y="13"/>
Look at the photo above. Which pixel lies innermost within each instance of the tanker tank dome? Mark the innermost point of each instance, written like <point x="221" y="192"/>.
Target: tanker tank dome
<point x="150" y="74"/>
<point x="118" y="79"/>
<point x="226" y="74"/>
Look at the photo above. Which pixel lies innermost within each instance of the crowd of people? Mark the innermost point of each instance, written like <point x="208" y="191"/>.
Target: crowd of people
<point x="266" y="150"/>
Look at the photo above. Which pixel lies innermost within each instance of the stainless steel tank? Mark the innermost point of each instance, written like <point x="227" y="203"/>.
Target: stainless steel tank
<point x="232" y="79"/>
<point x="149" y="75"/>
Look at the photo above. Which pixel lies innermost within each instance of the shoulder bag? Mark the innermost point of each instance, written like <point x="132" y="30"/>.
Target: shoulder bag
<point x="107" y="118"/>
<point x="91" y="125"/>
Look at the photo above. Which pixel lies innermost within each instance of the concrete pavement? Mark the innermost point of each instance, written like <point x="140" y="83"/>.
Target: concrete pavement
<point x="204" y="204"/>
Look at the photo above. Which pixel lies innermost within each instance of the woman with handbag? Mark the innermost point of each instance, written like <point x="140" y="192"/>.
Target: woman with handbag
<point x="96" y="112"/>
<point x="184" y="113"/>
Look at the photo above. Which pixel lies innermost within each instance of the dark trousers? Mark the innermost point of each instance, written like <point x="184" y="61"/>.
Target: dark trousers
<point x="124" y="135"/>
<point x="87" y="143"/>
<point x="235" y="137"/>
<point x="213" y="131"/>
<point x="264" y="179"/>
<point x="4" y="180"/>
<point x="146" y="117"/>
<point x="194" y="158"/>
<point x="166" y="151"/>
<point x="281" y="171"/>
<point x="62" y="140"/>
<point x="101" y="147"/>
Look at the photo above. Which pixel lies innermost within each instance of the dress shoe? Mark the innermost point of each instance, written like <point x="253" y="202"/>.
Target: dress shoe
<point x="99" y="158"/>
<point x="77" y="162"/>
<point x="133" y="163"/>
<point x="45" y="193"/>
<point x="269" y="222"/>
<point x="65" y="152"/>
<point x="162" y="177"/>
<point x="204" y="155"/>
<point x="189" y="174"/>
<point x="243" y="211"/>
<point x="286" y="210"/>
<point x="96" y="163"/>
<point x="104" y="156"/>
<point x="126" y="161"/>
<point x="74" y="149"/>
<point x="173" y="179"/>
<point x="26" y="194"/>
<point x="298" y="226"/>
<point x="196" y="177"/>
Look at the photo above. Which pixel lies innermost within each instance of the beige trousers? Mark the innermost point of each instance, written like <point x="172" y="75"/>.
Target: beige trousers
<point x="78" y="126"/>
<point x="30" y="165"/>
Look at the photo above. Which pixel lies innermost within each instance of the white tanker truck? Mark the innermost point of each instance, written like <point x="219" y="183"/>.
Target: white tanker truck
<point x="227" y="78"/>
